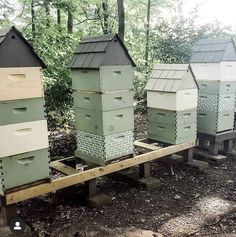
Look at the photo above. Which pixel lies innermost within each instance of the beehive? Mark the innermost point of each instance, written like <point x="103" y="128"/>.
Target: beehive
<point x="214" y="65"/>
<point x="172" y="102"/>
<point x="102" y="81"/>
<point x="23" y="128"/>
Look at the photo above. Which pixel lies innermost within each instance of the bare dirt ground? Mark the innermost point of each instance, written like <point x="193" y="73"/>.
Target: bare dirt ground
<point x="188" y="203"/>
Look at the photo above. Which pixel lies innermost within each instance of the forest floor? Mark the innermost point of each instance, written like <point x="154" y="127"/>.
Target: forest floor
<point x="188" y="203"/>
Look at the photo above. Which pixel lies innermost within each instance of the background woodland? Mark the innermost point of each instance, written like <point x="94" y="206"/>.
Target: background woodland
<point x="153" y="31"/>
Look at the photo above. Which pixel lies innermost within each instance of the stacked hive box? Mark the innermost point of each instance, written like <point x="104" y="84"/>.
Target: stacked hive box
<point x="23" y="128"/>
<point x="102" y="80"/>
<point x="214" y="65"/>
<point x="172" y="103"/>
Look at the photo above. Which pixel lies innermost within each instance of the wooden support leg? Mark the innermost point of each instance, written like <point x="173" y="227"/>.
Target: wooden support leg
<point x="213" y="149"/>
<point x="228" y="146"/>
<point x="94" y="199"/>
<point x="145" y="178"/>
<point x="188" y="155"/>
<point x="8" y="212"/>
<point x="144" y="170"/>
<point x="91" y="188"/>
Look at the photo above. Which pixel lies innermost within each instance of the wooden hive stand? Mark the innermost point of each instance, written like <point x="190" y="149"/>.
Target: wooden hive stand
<point x="87" y="176"/>
<point x="211" y="151"/>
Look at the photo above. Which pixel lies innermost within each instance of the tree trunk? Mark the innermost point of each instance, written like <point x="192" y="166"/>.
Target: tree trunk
<point x="33" y="26"/>
<point x="105" y="16"/>
<point x="147" y="33"/>
<point x="121" y="15"/>
<point x="47" y="10"/>
<point x="70" y="22"/>
<point x="59" y="18"/>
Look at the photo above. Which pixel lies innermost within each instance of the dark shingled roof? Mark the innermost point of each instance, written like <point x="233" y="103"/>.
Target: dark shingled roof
<point x="214" y="51"/>
<point x="17" y="53"/>
<point x="97" y="51"/>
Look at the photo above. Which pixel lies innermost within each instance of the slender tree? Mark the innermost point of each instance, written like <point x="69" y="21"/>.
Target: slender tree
<point x="33" y="16"/>
<point x="147" y="32"/>
<point x="121" y="17"/>
<point x="47" y="11"/>
<point x="105" y="17"/>
<point x="70" y="21"/>
<point x="59" y="18"/>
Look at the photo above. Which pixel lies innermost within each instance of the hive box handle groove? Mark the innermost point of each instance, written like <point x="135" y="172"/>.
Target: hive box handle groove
<point x="26" y="160"/>
<point x="17" y="77"/>
<point x="23" y="132"/>
<point x="19" y="110"/>
<point x="117" y="73"/>
<point x="119" y="116"/>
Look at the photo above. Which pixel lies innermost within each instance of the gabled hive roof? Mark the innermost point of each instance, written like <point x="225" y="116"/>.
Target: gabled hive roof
<point x="214" y="51"/>
<point x="96" y="51"/>
<point x="171" y="78"/>
<point x="16" y="51"/>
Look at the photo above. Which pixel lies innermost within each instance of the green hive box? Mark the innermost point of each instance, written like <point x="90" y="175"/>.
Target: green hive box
<point x="103" y="102"/>
<point x="216" y="103"/>
<point x="172" y="134"/>
<point x="104" y="122"/>
<point x="172" y="117"/>
<point x="211" y="122"/>
<point x="23" y="169"/>
<point x="101" y="149"/>
<point x="217" y="87"/>
<point x="107" y="78"/>
<point x="20" y="111"/>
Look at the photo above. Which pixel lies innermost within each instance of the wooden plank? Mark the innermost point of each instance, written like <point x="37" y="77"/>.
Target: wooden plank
<point x="67" y="158"/>
<point x="67" y="181"/>
<point x="146" y="146"/>
<point x="62" y="168"/>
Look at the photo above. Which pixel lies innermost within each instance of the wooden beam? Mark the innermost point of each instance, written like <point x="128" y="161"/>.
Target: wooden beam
<point x="146" y="146"/>
<point x="62" y="168"/>
<point x="86" y="175"/>
<point x="66" y="159"/>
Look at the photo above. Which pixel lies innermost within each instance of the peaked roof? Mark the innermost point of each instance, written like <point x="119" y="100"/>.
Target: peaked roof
<point x="96" y="51"/>
<point x="4" y="36"/>
<point x="214" y="50"/>
<point x="171" y="78"/>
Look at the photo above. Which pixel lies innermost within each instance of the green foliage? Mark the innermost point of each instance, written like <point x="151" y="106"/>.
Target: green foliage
<point x="173" y="42"/>
<point x="56" y="49"/>
<point x="6" y="9"/>
<point x="141" y="77"/>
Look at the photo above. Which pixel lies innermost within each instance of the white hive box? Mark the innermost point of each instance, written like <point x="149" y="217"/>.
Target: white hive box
<point x="23" y="137"/>
<point x="20" y="83"/>
<point x="172" y="87"/>
<point x="224" y="71"/>
<point x="214" y="59"/>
